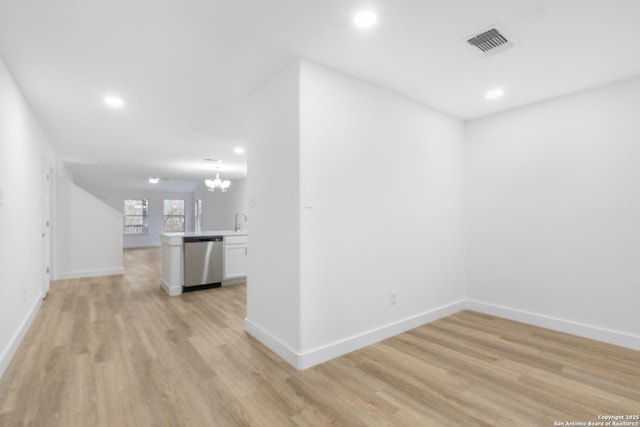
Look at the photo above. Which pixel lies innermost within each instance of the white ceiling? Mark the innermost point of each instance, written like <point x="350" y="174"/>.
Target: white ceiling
<point x="185" y="68"/>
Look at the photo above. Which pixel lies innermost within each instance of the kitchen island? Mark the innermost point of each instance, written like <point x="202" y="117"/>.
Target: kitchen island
<point x="234" y="258"/>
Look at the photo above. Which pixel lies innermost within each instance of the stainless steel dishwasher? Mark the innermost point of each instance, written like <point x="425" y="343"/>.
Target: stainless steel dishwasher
<point x="203" y="259"/>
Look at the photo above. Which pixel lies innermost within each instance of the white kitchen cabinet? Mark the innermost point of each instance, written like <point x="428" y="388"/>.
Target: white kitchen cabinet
<point x="235" y="257"/>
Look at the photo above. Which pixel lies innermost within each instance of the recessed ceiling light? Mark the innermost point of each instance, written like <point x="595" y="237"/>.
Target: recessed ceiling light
<point x="494" y="94"/>
<point x="365" y="19"/>
<point x="154" y="180"/>
<point x="238" y="150"/>
<point x="114" y="101"/>
<point x="213" y="160"/>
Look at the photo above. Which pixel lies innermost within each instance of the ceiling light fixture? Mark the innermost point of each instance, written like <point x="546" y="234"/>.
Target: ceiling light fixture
<point x="365" y="19"/>
<point x="114" y="101"/>
<point x="238" y="150"/>
<point x="154" y="180"/>
<point x="217" y="184"/>
<point x="494" y="94"/>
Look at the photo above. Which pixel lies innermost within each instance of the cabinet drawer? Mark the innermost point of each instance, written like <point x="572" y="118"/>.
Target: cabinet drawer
<point x="235" y="240"/>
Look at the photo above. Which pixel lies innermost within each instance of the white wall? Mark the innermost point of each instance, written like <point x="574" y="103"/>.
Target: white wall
<point x="115" y="198"/>
<point x="23" y="146"/>
<point x="273" y="272"/>
<point x="386" y="180"/>
<point x="219" y="209"/>
<point x="88" y="234"/>
<point x="554" y="213"/>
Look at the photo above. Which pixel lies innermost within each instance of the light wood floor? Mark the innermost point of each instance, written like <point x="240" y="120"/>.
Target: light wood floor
<point x="118" y="352"/>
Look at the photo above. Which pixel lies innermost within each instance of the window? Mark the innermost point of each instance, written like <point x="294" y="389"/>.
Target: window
<point x="173" y="215"/>
<point x="136" y="216"/>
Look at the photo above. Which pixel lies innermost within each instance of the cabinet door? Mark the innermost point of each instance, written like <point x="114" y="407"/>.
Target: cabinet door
<point x="235" y="261"/>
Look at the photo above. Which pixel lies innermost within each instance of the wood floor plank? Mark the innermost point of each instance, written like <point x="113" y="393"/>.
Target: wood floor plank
<point x="117" y="351"/>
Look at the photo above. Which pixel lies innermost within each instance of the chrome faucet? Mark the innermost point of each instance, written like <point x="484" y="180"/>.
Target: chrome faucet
<point x="237" y="227"/>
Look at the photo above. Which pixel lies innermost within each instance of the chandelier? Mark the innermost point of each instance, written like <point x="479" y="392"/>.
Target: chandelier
<point x="217" y="184"/>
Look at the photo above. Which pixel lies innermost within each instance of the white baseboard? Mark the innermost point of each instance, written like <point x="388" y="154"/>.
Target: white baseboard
<point x="89" y="273"/>
<point x="610" y="336"/>
<point x="142" y="246"/>
<point x="11" y="349"/>
<point x="273" y="343"/>
<point x="339" y="348"/>
<point x="233" y="282"/>
<point x="330" y="351"/>
<point x="172" y="291"/>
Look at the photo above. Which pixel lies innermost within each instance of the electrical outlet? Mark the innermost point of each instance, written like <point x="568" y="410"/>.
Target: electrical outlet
<point x="393" y="297"/>
<point x="308" y="199"/>
<point x="25" y="295"/>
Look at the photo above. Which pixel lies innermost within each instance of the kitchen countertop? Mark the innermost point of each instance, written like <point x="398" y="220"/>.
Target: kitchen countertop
<point x="176" y="238"/>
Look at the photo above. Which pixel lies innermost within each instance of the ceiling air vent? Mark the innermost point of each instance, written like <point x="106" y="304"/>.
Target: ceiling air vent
<point x="491" y="41"/>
